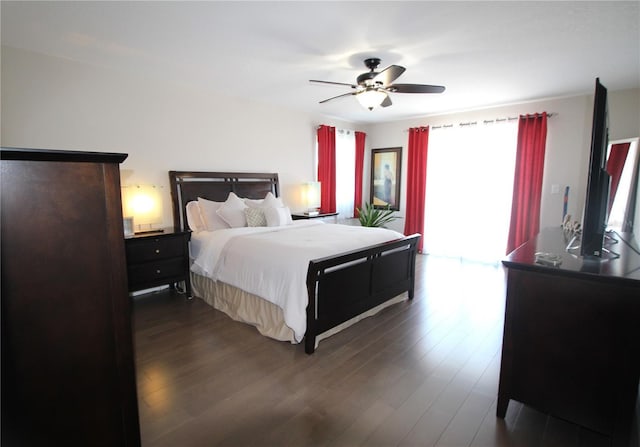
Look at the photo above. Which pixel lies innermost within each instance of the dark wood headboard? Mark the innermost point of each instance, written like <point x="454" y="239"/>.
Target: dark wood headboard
<point x="189" y="185"/>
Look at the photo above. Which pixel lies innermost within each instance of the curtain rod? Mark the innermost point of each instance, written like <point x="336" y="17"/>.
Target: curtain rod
<point x="473" y="123"/>
<point x="447" y="126"/>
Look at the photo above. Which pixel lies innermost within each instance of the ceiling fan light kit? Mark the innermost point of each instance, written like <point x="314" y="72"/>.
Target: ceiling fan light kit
<point x="373" y="88"/>
<point x="370" y="99"/>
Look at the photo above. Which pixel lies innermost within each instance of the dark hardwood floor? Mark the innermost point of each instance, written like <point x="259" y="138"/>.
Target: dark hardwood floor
<point x="417" y="374"/>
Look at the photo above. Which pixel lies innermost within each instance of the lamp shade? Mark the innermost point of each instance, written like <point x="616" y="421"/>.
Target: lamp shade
<point x="371" y="98"/>
<point x="144" y="204"/>
<point x="312" y="195"/>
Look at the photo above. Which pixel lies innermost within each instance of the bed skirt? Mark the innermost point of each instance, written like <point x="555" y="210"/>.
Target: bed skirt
<point x="265" y="316"/>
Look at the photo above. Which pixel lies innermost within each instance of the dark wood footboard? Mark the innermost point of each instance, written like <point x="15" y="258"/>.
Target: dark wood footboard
<point x="344" y="286"/>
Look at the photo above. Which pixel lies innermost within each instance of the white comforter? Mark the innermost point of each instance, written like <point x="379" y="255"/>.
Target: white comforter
<point x="272" y="262"/>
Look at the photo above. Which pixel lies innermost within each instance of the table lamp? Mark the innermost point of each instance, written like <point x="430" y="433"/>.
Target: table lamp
<point x="142" y="204"/>
<point x="312" y="198"/>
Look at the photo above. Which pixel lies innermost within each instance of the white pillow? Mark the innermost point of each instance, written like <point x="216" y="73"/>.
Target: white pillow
<point x="269" y="201"/>
<point x="255" y="217"/>
<point x="277" y="216"/>
<point x="194" y="218"/>
<point x="253" y="203"/>
<point x="209" y="214"/>
<point x="232" y="211"/>
<point x="272" y="201"/>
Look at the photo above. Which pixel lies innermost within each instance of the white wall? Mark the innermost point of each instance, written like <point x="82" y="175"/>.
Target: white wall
<point x="624" y="114"/>
<point x="55" y="103"/>
<point x="567" y="151"/>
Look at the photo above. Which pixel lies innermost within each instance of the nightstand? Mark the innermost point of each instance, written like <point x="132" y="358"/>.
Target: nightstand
<point x="329" y="217"/>
<point x="158" y="258"/>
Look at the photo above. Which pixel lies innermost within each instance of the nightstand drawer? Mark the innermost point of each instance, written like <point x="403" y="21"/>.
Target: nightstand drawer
<point x="151" y="272"/>
<point x="150" y="249"/>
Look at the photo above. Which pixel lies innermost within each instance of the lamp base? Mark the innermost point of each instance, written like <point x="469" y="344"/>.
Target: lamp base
<point x="312" y="213"/>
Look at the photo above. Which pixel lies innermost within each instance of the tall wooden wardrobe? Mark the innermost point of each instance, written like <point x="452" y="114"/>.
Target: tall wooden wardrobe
<point x="68" y="375"/>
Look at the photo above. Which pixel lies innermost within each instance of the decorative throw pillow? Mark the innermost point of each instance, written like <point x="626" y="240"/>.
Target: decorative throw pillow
<point x="277" y="217"/>
<point x="255" y="217"/>
<point x="232" y="211"/>
<point x="194" y="218"/>
<point x="209" y="214"/>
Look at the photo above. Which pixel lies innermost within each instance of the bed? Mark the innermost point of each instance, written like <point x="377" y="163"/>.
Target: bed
<point x="332" y="287"/>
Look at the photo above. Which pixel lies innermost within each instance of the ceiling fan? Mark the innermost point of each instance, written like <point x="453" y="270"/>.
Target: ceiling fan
<point x="373" y="88"/>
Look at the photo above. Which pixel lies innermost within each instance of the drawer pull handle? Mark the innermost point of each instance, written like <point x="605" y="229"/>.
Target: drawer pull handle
<point x="157" y="250"/>
<point x="158" y="271"/>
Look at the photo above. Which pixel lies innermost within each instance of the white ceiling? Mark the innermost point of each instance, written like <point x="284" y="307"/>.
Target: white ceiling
<point x="485" y="53"/>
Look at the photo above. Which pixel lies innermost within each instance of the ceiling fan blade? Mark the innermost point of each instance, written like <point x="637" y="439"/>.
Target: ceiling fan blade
<point x="415" y="88"/>
<point x="389" y="74"/>
<point x="386" y="102"/>
<point x="332" y="83"/>
<point x="335" y="97"/>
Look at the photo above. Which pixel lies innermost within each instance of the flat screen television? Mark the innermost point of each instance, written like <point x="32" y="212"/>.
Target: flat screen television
<point x="594" y="221"/>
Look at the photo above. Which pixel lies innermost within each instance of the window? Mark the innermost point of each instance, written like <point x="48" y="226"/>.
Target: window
<point x="470" y="173"/>
<point x="345" y="171"/>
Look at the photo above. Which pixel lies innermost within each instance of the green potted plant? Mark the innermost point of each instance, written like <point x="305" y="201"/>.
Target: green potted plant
<point x="370" y="216"/>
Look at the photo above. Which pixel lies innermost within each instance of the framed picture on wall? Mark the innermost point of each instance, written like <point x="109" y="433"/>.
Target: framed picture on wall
<point x="385" y="177"/>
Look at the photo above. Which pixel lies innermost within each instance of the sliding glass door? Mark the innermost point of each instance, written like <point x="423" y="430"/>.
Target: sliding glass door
<point x="470" y="173"/>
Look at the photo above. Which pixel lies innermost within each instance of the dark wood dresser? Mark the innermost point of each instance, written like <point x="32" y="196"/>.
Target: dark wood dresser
<point x="571" y="344"/>
<point x="158" y="258"/>
<point x="68" y="375"/>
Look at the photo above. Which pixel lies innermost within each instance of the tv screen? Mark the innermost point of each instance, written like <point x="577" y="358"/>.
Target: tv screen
<point x="596" y="204"/>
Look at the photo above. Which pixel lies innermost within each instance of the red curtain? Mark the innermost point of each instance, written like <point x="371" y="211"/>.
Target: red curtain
<point x="615" y="163"/>
<point x="327" y="168"/>
<point x="416" y="181"/>
<point x="357" y="198"/>
<point x="527" y="185"/>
